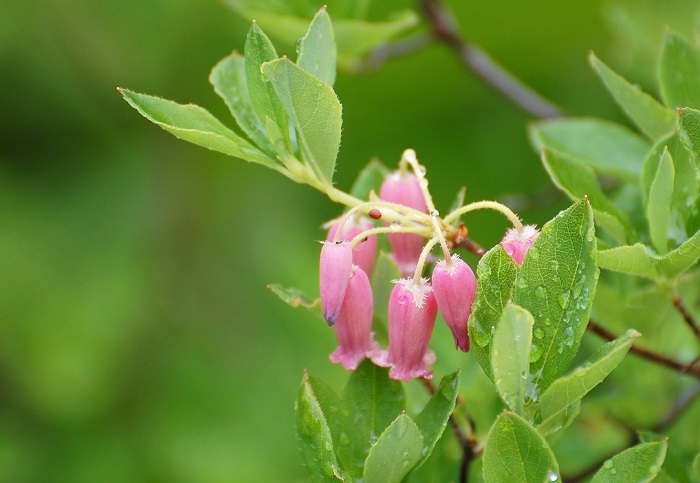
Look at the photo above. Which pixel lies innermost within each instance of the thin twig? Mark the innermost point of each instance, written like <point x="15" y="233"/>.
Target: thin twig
<point x="687" y="316"/>
<point x="446" y="30"/>
<point x="383" y="53"/>
<point x="647" y="354"/>
<point x="468" y="443"/>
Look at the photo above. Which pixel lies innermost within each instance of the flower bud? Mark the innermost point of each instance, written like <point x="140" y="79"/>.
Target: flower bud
<point x="335" y="272"/>
<point x="354" y="325"/>
<point x="454" y="285"/>
<point x="516" y="243"/>
<point x="412" y="313"/>
<point x="364" y="253"/>
<point x="404" y="189"/>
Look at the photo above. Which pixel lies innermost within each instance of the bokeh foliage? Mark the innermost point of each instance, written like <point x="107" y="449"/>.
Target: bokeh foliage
<point x="138" y="339"/>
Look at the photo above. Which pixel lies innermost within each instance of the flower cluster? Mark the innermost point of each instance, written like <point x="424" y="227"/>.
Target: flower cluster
<point x="408" y="218"/>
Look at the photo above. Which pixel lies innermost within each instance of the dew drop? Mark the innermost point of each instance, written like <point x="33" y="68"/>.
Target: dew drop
<point x="548" y="322"/>
<point x="297" y="48"/>
<point x="552" y="476"/>
<point x="540" y="292"/>
<point x="435" y="213"/>
<point x="373" y="439"/>
<point x="554" y="264"/>
<point x="539" y="333"/>
<point x="535" y="353"/>
<point x="421" y="169"/>
<point x="396" y="225"/>
<point x="521" y="283"/>
<point x="608" y="464"/>
<point x="564" y="300"/>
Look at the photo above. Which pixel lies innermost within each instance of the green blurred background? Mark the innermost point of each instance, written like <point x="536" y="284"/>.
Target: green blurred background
<point x="138" y="341"/>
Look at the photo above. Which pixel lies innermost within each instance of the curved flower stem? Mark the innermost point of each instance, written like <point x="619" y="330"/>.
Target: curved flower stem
<point x="480" y="205"/>
<point x="441" y="238"/>
<point x="395" y="213"/>
<point x="423" y="257"/>
<point x="446" y="30"/>
<point x="409" y="156"/>
<point x="388" y="229"/>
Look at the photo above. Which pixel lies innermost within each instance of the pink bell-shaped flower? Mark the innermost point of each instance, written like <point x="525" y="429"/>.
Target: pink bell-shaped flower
<point x="516" y="242"/>
<point x="404" y="189"/>
<point x="412" y="313"/>
<point x="365" y="252"/>
<point x="335" y="272"/>
<point x="454" y="286"/>
<point x="354" y="325"/>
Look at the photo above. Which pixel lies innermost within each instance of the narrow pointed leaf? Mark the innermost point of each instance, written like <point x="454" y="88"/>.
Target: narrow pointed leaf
<point x="373" y="401"/>
<point x="458" y="203"/>
<point x="577" y="180"/>
<point x="604" y="146"/>
<point x="330" y="404"/>
<point x="556" y="284"/>
<point x="515" y="451"/>
<point x="658" y="207"/>
<point x="510" y="356"/>
<point x="654" y="119"/>
<point x="369" y="179"/>
<point x="196" y="125"/>
<point x="679" y="72"/>
<point x="297" y="298"/>
<point x="682" y="258"/>
<point x="431" y="421"/>
<point x="229" y="80"/>
<point x="567" y="390"/>
<point x="317" y="51"/>
<point x="496" y="273"/>
<point x="315" y="436"/>
<point x="640" y="464"/>
<point x="397" y="451"/>
<point x="258" y="50"/>
<point x="634" y="260"/>
<point x="315" y="111"/>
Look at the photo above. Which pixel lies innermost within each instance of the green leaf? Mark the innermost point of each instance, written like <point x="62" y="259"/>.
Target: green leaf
<point x="369" y="179"/>
<point x="196" y="125"/>
<point x="496" y="273"/>
<point x="681" y="259"/>
<point x="331" y="405"/>
<point x="317" y="51"/>
<point x="315" y="111"/>
<point x="373" y="401"/>
<point x="258" y="50"/>
<point x="640" y="463"/>
<point x="556" y="285"/>
<point x="433" y="418"/>
<point x="315" y="436"/>
<point x="515" y="451"/>
<point x="229" y="80"/>
<point x="658" y="208"/>
<point x="577" y="180"/>
<point x="297" y="298"/>
<point x="679" y="72"/>
<point x="654" y="119"/>
<point x="510" y="356"/>
<point x="558" y="399"/>
<point x="690" y="127"/>
<point x="634" y="260"/>
<point x="696" y="466"/>
<point x="357" y="37"/>
<point x="604" y="146"/>
<point x="397" y="451"/>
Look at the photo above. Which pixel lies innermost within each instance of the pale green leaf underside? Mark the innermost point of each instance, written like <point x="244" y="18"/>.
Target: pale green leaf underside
<point x="196" y="125"/>
<point x="604" y="146"/>
<point x="317" y="51"/>
<point x="496" y="273"/>
<point x="640" y="463"/>
<point x="658" y="208"/>
<point x="679" y="72"/>
<point x="654" y="119"/>
<point x="313" y="108"/>
<point x="556" y="284"/>
<point x="682" y="258"/>
<point x="577" y="180"/>
<point x="566" y="390"/>
<point x="397" y="451"/>
<point x="510" y="356"/>
<point x="515" y="451"/>
<point x="315" y="436"/>
<point x="297" y="298"/>
<point x="634" y="260"/>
